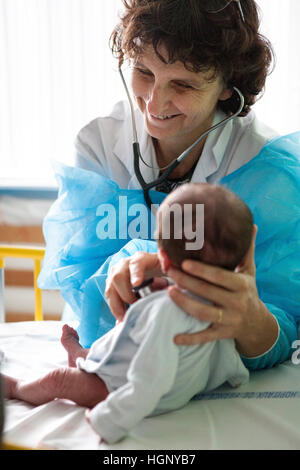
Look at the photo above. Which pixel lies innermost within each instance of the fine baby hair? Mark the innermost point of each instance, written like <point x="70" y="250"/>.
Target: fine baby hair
<point x="227" y="225"/>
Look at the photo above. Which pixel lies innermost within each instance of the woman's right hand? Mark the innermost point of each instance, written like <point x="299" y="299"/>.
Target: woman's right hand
<point x="130" y="272"/>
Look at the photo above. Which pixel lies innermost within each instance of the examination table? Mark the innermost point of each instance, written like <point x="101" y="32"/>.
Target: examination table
<point x="264" y="414"/>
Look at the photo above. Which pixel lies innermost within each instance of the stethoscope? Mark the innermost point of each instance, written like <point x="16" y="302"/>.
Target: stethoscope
<point x="171" y="167"/>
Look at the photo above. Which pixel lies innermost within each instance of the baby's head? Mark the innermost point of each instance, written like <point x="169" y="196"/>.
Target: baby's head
<point x="226" y="225"/>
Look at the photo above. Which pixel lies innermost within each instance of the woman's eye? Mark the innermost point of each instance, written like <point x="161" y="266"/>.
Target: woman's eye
<point x="147" y="73"/>
<point x="143" y="72"/>
<point x="184" y="85"/>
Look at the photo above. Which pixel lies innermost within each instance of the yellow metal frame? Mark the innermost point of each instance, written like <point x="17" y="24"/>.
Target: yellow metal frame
<point x="36" y="254"/>
<point x="8" y="446"/>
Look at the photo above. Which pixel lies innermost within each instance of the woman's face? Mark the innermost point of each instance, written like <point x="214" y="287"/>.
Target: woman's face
<point x="178" y="105"/>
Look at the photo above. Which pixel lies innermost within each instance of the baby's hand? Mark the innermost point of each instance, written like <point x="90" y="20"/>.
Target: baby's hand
<point x="87" y="417"/>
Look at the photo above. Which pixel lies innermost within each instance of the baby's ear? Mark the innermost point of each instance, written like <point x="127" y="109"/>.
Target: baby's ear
<point x="241" y="265"/>
<point x="248" y="262"/>
<point x="165" y="261"/>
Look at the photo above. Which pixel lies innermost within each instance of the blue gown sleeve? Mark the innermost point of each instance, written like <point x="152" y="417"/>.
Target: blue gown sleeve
<point x="270" y="186"/>
<point x="282" y="348"/>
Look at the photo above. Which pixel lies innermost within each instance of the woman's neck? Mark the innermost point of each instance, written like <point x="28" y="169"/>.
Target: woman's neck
<point x="167" y="153"/>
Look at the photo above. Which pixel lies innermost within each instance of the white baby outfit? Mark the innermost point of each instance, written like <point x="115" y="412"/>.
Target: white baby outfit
<point x="147" y="374"/>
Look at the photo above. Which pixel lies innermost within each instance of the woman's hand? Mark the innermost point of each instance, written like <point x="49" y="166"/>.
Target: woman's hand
<point x="131" y="272"/>
<point x="236" y="312"/>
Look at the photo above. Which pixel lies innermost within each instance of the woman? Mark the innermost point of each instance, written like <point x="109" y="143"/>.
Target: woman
<point x="185" y="62"/>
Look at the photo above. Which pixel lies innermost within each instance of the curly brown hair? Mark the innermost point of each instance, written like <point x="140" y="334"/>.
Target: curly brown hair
<point x="202" y="41"/>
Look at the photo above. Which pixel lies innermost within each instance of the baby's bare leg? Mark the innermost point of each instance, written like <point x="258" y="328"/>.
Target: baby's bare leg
<point x="72" y="384"/>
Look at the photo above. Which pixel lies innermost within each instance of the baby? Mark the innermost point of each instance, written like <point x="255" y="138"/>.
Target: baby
<point x="136" y="370"/>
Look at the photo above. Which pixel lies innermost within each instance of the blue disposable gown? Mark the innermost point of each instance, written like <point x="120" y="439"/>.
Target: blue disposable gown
<point x="77" y="260"/>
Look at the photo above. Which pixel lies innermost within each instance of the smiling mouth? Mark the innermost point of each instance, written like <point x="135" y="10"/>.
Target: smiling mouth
<point x="162" y="117"/>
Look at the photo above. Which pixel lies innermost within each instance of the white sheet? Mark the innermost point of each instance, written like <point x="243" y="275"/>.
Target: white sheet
<point x="264" y="414"/>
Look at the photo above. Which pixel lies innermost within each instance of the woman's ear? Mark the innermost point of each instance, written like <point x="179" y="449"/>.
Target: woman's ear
<point x="226" y="94"/>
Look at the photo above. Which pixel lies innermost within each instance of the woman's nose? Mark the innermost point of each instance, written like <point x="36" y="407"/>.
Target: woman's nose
<point x="158" y="99"/>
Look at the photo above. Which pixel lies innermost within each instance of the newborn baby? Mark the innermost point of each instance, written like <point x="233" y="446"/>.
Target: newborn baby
<point x="136" y="369"/>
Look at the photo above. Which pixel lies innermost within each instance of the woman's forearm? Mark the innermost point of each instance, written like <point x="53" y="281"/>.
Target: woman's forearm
<point x="261" y="336"/>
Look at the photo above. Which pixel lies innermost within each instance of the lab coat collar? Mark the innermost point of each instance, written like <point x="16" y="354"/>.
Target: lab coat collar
<point x="214" y="149"/>
<point x="221" y="138"/>
<point x="124" y="151"/>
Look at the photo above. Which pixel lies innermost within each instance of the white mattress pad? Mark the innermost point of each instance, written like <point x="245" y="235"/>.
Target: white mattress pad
<point x="263" y="414"/>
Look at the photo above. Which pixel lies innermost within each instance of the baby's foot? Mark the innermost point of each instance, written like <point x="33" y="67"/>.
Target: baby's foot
<point x="70" y="341"/>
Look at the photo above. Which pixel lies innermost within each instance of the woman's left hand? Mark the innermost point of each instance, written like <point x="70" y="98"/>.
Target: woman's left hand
<point x="236" y="311"/>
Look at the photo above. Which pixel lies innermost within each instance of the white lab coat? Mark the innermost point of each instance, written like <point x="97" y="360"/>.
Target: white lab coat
<point x="105" y="146"/>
